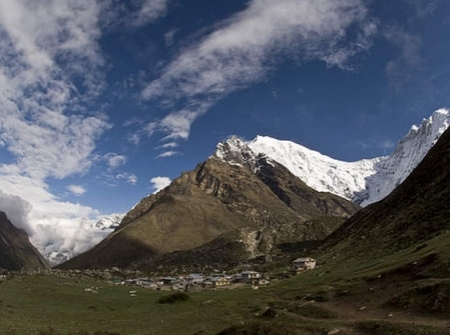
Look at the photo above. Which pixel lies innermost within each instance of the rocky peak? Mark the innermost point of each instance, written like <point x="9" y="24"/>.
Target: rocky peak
<point x="235" y="151"/>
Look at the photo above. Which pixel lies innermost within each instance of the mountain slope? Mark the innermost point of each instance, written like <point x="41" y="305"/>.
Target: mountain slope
<point x="213" y="199"/>
<point x="16" y="251"/>
<point x="412" y="222"/>
<point x="364" y="182"/>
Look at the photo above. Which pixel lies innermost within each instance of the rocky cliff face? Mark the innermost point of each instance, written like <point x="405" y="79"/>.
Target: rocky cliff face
<point x="220" y="199"/>
<point x="16" y="251"/>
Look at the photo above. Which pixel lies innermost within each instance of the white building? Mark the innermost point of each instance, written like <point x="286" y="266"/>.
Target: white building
<point x="250" y="277"/>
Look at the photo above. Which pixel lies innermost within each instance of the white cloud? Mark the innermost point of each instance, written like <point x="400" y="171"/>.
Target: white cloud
<point x="17" y="210"/>
<point x="114" y="160"/>
<point x="45" y="45"/>
<point x="168" y="154"/>
<point x="42" y="150"/>
<point x="168" y="145"/>
<point x="55" y="227"/>
<point x="149" y="11"/>
<point x="51" y="66"/>
<point x="76" y="189"/>
<point x="177" y="125"/>
<point x="129" y="177"/>
<point x="244" y="49"/>
<point x="62" y="238"/>
<point x="158" y="183"/>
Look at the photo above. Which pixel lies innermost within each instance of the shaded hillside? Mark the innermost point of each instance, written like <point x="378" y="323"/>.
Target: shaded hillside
<point x="213" y="199"/>
<point x="415" y="215"/>
<point x="242" y="245"/>
<point x="16" y="251"/>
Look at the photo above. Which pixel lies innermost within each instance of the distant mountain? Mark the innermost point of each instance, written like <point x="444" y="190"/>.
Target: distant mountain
<point x="270" y="204"/>
<point x="16" y="251"/>
<point x="409" y="224"/>
<point x="364" y="182"/>
<point x="109" y="222"/>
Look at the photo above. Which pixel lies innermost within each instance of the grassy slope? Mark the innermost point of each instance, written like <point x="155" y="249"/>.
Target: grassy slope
<point x="411" y="223"/>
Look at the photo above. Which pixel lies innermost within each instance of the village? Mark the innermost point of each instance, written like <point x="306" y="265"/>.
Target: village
<point x="215" y="280"/>
<point x="182" y="282"/>
<point x="198" y="281"/>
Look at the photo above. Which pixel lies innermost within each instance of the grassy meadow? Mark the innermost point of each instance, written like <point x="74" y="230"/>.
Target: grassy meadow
<point x="355" y="297"/>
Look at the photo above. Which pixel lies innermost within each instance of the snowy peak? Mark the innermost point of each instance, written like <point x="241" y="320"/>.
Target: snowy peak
<point x="391" y="171"/>
<point x="109" y="222"/>
<point x="364" y="182"/>
<point x="318" y="171"/>
<point x="431" y="128"/>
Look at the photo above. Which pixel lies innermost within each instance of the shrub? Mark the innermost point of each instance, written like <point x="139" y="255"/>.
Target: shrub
<point x="174" y="298"/>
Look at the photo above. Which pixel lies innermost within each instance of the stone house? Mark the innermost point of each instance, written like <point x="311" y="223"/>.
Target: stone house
<point x="304" y="263"/>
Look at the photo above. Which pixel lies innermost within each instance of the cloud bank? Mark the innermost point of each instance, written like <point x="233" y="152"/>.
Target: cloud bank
<point x="44" y="124"/>
<point x="17" y="210"/>
<point x="245" y="49"/>
<point x="51" y="67"/>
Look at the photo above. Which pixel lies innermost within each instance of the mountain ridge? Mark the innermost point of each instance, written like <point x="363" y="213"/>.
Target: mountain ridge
<point x="409" y="225"/>
<point x="363" y="182"/>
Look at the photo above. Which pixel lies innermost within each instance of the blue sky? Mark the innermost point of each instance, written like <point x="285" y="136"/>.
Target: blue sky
<point x="104" y="101"/>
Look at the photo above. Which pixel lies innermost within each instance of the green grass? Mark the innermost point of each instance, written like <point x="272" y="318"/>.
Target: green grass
<point x="50" y="305"/>
<point x="388" y="328"/>
<point x="45" y="305"/>
<point x="30" y="305"/>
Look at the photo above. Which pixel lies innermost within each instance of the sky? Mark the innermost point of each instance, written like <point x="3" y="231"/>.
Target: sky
<point x="103" y="102"/>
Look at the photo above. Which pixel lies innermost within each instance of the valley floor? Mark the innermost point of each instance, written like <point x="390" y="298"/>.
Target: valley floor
<point x="306" y="304"/>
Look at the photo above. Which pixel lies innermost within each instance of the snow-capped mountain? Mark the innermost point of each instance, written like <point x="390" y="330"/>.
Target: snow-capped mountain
<point x="109" y="222"/>
<point x="364" y="181"/>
